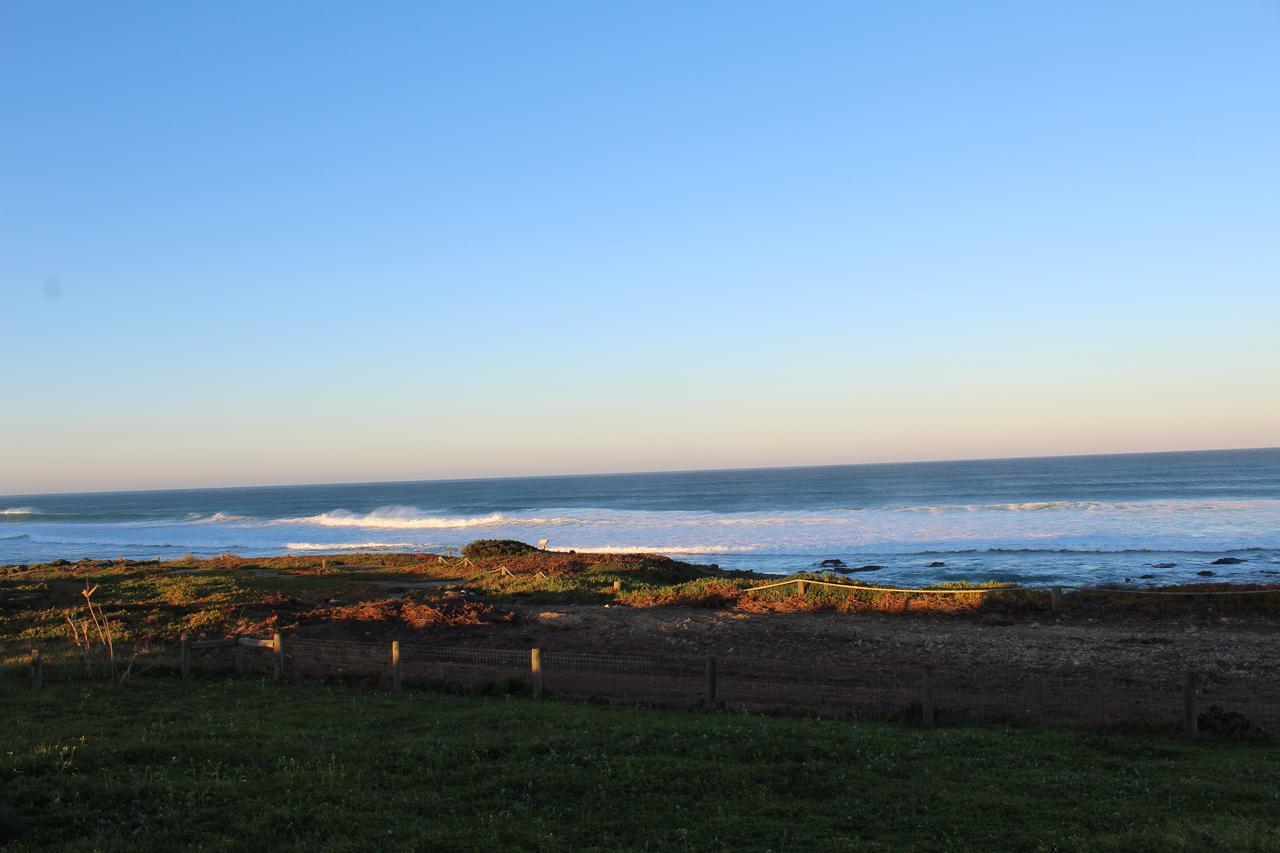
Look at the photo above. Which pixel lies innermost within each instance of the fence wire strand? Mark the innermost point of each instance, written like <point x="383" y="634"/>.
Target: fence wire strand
<point x="833" y="686"/>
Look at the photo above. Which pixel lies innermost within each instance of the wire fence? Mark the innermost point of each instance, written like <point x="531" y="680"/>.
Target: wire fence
<point x="1220" y="702"/>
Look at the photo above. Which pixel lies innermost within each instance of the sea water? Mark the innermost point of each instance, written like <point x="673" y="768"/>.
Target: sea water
<point x="1070" y="520"/>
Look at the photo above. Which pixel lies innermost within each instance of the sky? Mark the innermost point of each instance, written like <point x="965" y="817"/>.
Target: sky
<point x="292" y="242"/>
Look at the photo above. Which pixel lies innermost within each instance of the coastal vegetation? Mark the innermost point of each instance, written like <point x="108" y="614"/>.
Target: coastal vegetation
<point x="97" y="759"/>
<point x="213" y="597"/>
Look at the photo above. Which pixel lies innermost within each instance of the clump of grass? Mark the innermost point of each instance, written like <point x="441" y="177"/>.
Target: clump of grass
<point x="704" y="592"/>
<point x="411" y="612"/>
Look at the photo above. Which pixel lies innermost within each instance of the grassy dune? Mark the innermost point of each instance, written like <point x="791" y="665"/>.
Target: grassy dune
<point x="256" y="765"/>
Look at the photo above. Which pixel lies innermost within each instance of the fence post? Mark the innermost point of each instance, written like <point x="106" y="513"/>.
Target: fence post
<point x="1190" y="716"/>
<point x="800" y="587"/>
<point x="184" y="659"/>
<point x="926" y="695"/>
<point x="535" y="667"/>
<point x="1055" y="598"/>
<point x="395" y="664"/>
<point x="277" y="640"/>
<point x="37" y="669"/>
<point x="711" y="683"/>
<point x="617" y="587"/>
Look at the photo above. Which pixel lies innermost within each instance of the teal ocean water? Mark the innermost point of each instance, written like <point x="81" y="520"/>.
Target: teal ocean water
<point x="1084" y="519"/>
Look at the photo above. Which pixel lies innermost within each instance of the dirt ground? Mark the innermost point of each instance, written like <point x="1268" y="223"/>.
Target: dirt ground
<point x="1246" y="646"/>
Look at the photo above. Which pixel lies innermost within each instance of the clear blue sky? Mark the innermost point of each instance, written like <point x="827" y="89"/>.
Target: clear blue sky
<point x="250" y="242"/>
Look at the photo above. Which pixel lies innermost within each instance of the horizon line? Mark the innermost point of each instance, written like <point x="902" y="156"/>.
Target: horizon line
<point x="933" y="461"/>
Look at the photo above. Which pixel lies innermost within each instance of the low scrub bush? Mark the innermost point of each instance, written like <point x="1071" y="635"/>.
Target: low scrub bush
<point x="487" y="549"/>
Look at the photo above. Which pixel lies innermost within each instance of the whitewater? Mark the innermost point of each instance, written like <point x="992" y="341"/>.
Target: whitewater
<point x="1067" y="519"/>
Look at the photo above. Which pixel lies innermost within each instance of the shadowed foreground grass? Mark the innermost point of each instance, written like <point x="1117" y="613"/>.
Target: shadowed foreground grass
<point x="247" y="764"/>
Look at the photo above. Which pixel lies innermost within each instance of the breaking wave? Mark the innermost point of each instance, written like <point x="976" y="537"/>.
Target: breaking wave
<point x="409" y="518"/>
<point x="21" y="510"/>
<point x="351" y="546"/>
<point x="218" y="517"/>
<point x="1078" y="526"/>
<point x="659" y="549"/>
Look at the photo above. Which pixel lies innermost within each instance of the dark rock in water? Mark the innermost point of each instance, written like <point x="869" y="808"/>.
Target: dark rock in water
<point x="1145" y="577"/>
<point x="60" y="563"/>
<point x="848" y="570"/>
<point x="832" y="564"/>
<point x="1205" y="574"/>
<point x="936" y="564"/>
<point x="1164" y="566"/>
<point x="1227" y="561"/>
<point x="1230" y="724"/>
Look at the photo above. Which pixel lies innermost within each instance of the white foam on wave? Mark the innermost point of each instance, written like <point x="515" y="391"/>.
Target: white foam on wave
<point x="21" y="510"/>
<point x="218" y="518"/>
<point x="656" y="549"/>
<point x="410" y="518"/>
<point x="349" y="546"/>
<point x="1099" y="526"/>
<point x="1220" y="525"/>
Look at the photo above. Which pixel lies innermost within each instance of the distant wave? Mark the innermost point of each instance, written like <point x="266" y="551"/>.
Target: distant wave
<point x="21" y="510"/>
<point x="1166" y="506"/>
<point x="218" y="517"/>
<point x="353" y="546"/>
<point x="409" y="518"/>
<point x="657" y="549"/>
<point x="1076" y="526"/>
<point x="1045" y="527"/>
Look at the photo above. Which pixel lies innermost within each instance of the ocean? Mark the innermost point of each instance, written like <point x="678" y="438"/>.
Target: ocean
<point x="1070" y="520"/>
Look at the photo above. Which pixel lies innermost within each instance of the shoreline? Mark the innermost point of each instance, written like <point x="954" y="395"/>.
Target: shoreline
<point x="844" y="575"/>
<point x="1158" y="569"/>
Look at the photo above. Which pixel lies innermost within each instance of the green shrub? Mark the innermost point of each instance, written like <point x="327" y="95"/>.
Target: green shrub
<point x="485" y="549"/>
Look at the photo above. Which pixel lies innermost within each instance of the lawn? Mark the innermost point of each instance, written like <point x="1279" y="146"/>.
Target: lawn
<point x="222" y="765"/>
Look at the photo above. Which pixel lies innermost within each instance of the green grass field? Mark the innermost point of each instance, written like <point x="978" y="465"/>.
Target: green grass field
<point x="226" y="765"/>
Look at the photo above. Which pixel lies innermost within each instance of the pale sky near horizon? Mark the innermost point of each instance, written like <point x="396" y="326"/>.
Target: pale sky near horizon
<point x="286" y="242"/>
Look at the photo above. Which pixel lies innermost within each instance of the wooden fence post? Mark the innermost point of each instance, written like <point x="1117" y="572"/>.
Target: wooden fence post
<point x="1055" y="598"/>
<point x="37" y="669"/>
<point x="800" y="587"/>
<point x="710" y="702"/>
<point x="1190" y="715"/>
<point x="395" y="664"/>
<point x="926" y="695"/>
<point x="535" y="667"/>
<point x="184" y="659"/>
<point x="277" y="640"/>
<point x="617" y="587"/>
